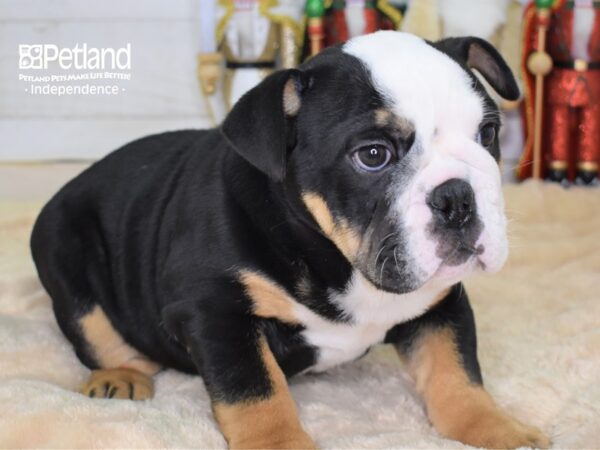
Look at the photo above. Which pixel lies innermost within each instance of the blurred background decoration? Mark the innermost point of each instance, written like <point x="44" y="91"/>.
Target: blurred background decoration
<point x="192" y="60"/>
<point x="561" y="69"/>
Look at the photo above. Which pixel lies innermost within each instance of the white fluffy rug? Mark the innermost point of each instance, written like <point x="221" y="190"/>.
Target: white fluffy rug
<point x="539" y="345"/>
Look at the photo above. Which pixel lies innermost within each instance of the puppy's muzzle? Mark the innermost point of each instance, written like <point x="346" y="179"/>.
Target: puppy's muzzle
<point x="455" y="225"/>
<point x="453" y="203"/>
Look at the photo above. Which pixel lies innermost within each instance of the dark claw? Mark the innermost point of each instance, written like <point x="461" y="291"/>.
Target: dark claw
<point x="112" y="392"/>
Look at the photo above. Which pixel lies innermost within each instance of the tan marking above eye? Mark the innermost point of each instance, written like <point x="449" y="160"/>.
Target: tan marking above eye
<point x="386" y="118"/>
<point x="109" y="348"/>
<point x="382" y="117"/>
<point x="269" y="300"/>
<point x="265" y="423"/>
<point x="340" y="232"/>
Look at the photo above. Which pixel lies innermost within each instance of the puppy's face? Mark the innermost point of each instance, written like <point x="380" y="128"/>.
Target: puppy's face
<point x="394" y="154"/>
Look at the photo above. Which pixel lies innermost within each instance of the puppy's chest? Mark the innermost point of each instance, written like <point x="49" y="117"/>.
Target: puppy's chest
<point x="339" y="343"/>
<point x="370" y="314"/>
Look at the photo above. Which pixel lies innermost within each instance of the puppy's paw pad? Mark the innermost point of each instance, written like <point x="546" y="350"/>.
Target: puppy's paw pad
<point x="118" y="383"/>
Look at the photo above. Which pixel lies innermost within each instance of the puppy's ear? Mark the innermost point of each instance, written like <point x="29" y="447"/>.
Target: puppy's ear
<point x="480" y="55"/>
<point x="260" y="126"/>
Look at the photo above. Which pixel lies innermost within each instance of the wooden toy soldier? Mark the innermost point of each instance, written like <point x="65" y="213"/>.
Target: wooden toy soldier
<point x="561" y="72"/>
<point x="253" y="38"/>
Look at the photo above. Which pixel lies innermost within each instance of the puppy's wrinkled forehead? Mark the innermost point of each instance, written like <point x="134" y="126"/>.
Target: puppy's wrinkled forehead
<point x="419" y="82"/>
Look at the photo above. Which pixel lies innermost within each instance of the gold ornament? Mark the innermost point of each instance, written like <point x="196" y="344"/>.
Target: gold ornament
<point x="209" y="71"/>
<point x="539" y="63"/>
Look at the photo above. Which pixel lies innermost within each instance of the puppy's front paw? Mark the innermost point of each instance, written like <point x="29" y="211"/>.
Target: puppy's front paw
<point x="494" y="429"/>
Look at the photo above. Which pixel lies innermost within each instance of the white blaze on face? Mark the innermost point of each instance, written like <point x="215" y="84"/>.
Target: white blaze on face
<point x="433" y="92"/>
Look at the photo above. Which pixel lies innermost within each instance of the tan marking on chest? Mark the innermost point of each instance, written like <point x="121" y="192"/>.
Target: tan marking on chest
<point x="340" y="232"/>
<point x="269" y="300"/>
<point x="109" y="348"/>
<point x="264" y="423"/>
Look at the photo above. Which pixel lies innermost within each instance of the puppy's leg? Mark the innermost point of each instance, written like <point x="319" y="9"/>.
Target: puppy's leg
<point x="124" y="372"/>
<point x="250" y="397"/>
<point x="71" y="259"/>
<point x="440" y="350"/>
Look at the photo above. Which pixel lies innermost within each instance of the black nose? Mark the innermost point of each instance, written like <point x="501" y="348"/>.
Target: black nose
<point x="453" y="202"/>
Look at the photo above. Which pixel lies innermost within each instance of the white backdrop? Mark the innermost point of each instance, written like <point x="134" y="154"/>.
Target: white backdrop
<point x="163" y="92"/>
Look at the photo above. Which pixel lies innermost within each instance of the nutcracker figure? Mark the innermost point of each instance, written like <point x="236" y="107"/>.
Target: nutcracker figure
<point x="336" y="21"/>
<point x="315" y="29"/>
<point x="251" y="38"/>
<point x="561" y="71"/>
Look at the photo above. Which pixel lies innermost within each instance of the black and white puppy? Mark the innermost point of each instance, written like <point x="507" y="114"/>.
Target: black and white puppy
<point x="338" y="206"/>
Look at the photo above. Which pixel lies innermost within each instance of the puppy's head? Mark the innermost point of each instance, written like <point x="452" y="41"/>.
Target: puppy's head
<point x="390" y="143"/>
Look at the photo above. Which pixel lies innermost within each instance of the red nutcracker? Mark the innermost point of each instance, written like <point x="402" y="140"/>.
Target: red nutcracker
<point x="315" y="10"/>
<point x="332" y="22"/>
<point x="561" y="73"/>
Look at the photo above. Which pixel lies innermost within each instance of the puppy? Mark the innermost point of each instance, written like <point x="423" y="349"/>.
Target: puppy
<point x="338" y="206"/>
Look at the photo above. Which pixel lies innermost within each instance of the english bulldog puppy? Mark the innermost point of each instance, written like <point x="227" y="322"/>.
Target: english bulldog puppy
<point x="339" y="206"/>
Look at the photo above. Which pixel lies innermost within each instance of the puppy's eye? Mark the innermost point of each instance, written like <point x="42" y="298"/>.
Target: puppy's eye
<point x="487" y="135"/>
<point x="372" y="157"/>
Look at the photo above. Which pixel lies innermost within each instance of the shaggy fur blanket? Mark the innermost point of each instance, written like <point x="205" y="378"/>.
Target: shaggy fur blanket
<point x="538" y="324"/>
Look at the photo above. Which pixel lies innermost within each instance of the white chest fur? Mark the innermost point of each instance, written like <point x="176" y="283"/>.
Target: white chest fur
<point x="372" y="313"/>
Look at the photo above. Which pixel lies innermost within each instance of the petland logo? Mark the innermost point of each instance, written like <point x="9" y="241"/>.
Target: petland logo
<point x="46" y="69"/>
<point x="41" y="56"/>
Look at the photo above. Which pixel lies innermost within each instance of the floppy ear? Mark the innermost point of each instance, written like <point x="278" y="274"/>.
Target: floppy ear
<point x="260" y="125"/>
<point x="479" y="54"/>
